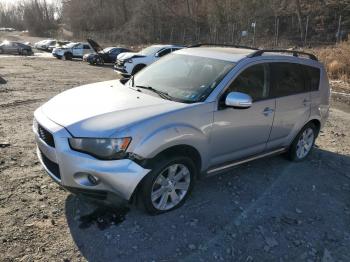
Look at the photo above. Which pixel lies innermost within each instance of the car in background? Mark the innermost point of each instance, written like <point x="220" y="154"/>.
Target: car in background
<point x="107" y="55"/>
<point x="57" y="44"/>
<point x="72" y="50"/>
<point x="130" y="63"/>
<point x="44" y="44"/>
<point x="16" y="48"/>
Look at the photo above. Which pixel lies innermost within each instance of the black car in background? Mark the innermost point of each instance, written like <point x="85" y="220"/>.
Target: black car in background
<point x="107" y="55"/>
<point x="101" y="56"/>
<point x="15" y="48"/>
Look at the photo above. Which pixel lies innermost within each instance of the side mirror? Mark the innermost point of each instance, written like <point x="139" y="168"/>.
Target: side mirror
<point x="238" y="100"/>
<point x="156" y="55"/>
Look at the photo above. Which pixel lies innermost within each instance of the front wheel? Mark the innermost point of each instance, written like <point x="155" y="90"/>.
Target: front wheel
<point x="168" y="185"/>
<point x="303" y="143"/>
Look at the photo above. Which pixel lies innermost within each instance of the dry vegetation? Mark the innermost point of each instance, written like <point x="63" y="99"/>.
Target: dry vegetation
<point x="337" y="60"/>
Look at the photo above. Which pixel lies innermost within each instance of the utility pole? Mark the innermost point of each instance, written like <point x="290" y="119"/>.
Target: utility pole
<point x="306" y="29"/>
<point x="339" y="32"/>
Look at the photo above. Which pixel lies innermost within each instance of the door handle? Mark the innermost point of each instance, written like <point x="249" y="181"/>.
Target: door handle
<point x="267" y="111"/>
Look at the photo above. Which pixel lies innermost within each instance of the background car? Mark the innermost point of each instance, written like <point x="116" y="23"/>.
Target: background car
<point x="130" y="63"/>
<point x="107" y="55"/>
<point x="73" y="50"/>
<point x="44" y="44"/>
<point x="17" y="48"/>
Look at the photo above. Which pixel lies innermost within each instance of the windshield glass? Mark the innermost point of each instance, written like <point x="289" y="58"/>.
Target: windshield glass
<point x="149" y="50"/>
<point x="107" y="49"/>
<point x="70" y="45"/>
<point x="186" y="78"/>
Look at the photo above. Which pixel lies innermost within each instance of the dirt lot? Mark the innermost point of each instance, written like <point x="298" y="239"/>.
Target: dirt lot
<point x="267" y="210"/>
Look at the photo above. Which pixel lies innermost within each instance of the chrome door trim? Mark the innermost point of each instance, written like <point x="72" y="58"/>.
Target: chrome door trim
<point x="218" y="169"/>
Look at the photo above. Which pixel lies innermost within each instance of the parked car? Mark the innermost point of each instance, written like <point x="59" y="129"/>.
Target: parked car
<point x="10" y="47"/>
<point x="101" y="56"/>
<point x="72" y="50"/>
<point x="57" y="44"/>
<point x="130" y="63"/>
<point x="107" y="55"/>
<point x="197" y="112"/>
<point x="45" y="44"/>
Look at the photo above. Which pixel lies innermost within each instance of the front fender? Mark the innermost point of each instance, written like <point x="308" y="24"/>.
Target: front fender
<point x="173" y="135"/>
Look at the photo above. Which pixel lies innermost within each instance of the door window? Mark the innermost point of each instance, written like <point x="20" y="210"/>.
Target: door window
<point x="312" y="77"/>
<point x="164" y="52"/>
<point x="253" y="81"/>
<point x="288" y="79"/>
<point x="86" y="47"/>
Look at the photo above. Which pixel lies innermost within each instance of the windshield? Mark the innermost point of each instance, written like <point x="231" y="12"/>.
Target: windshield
<point x="150" y="50"/>
<point x="70" y="45"/>
<point x="107" y="49"/>
<point x="186" y="78"/>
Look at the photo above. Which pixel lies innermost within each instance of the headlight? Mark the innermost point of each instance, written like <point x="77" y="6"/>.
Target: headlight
<point x="128" y="60"/>
<point x="101" y="148"/>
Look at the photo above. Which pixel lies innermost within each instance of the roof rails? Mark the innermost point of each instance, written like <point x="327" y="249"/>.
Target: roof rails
<point x="223" y="45"/>
<point x="294" y="52"/>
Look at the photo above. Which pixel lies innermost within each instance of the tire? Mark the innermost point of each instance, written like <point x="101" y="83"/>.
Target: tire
<point x="24" y="52"/>
<point x="68" y="56"/>
<point x="137" y="68"/>
<point x="303" y="143"/>
<point x="166" y="194"/>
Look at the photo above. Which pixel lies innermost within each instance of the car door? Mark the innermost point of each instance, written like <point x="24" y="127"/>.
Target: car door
<point x="12" y="48"/>
<point x="238" y="133"/>
<point x="78" y="50"/>
<point x="87" y="50"/>
<point x="293" y="102"/>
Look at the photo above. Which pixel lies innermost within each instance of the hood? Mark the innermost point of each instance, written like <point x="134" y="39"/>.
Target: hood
<point x="102" y="109"/>
<point x="97" y="48"/>
<point x="127" y="55"/>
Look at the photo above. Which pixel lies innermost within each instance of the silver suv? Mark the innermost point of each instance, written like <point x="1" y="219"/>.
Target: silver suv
<point x="197" y="112"/>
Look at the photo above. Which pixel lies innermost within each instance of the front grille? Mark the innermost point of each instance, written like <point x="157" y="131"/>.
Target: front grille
<point x="51" y="166"/>
<point x="46" y="136"/>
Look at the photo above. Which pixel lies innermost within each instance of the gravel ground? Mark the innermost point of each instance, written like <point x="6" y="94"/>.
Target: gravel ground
<point x="267" y="210"/>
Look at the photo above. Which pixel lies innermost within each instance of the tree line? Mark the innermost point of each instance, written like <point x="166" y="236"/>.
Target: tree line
<point x="252" y="22"/>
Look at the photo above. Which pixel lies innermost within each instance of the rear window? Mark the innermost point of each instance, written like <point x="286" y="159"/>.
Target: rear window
<point x="312" y="77"/>
<point x="288" y="79"/>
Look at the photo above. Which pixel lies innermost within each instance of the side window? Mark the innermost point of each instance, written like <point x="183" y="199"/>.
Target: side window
<point x="253" y="81"/>
<point x="86" y="47"/>
<point x="164" y="52"/>
<point x="288" y="79"/>
<point x="312" y="77"/>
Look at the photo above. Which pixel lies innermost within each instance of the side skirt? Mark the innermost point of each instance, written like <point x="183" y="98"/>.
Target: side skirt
<point x="219" y="169"/>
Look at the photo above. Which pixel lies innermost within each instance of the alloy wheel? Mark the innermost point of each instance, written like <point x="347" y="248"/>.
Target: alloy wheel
<point x="170" y="186"/>
<point x="305" y="143"/>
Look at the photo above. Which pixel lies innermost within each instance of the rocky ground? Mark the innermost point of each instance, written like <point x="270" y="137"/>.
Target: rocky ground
<point x="267" y="210"/>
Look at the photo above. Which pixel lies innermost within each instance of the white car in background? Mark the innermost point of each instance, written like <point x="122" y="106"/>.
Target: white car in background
<point x="73" y="50"/>
<point x="129" y="63"/>
<point x="44" y="44"/>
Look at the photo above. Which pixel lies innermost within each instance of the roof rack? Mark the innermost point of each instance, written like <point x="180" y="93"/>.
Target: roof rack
<point x="223" y="45"/>
<point x="294" y="52"/>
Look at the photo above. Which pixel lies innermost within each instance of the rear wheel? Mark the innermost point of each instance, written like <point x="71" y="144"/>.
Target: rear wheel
<point x="168" y="185"/>
<point x="303" y="143"/>
<point x="67" y="56"/>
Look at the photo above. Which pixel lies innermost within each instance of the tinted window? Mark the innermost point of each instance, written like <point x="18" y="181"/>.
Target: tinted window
<point x="253" y="81"/>
<point x="288" y="79"/>
<point x="86" y="47"/>
<point x="164" y="52"/>
<point x="312" y="77"/>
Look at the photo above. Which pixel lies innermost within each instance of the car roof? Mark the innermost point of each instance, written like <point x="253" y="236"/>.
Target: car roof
<point x="165" y="46"/>
<point x="234" y="54"/>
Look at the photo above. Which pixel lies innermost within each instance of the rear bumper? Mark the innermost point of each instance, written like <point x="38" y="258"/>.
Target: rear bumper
<point x="69" y="168"/>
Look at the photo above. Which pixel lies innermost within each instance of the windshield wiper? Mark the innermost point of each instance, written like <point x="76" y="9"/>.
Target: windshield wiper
<point x="158" y="92"/>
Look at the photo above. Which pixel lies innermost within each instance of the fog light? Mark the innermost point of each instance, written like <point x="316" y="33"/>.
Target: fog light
<point x="92" y="179"/>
